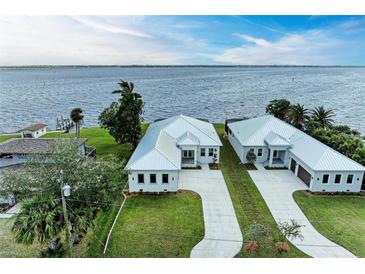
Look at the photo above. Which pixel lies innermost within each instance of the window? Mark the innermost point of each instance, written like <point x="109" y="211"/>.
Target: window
<point x="325" y="179"/>
<point x="275" y="154"/>
<point x="202" y="152"/>
<point x="349" y="179"/>
<point x="165" y="178"/>
<point x="338" y="178"/>
<point x="211" y="151"/>
<point x="140" y="178"/>
<point x="152" y="178"/>
<point x="252" y="150"/>
<point x="259" y="152"/>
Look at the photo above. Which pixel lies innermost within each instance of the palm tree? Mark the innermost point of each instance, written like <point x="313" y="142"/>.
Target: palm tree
<point x="278" y="108"/>
<point x="124" y="86"/>
<point x="77" y="118"/>
<point x="323" y="116"/>
<point x="298" y="115"/>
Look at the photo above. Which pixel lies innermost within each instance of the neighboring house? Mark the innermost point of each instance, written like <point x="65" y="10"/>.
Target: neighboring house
<point x="33" y="131"/>
<point x="278" y="144"/>
<point x="168" y="146"/>
<point x="16" y="151"/>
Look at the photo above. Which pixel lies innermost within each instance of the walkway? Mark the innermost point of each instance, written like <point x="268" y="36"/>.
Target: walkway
<point x="277" y="187"/>
<point x="223" y="237"/>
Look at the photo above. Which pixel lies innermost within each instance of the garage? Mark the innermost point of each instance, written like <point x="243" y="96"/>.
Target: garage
<point x="304" y="175"/>
<point x="293" y="163"/>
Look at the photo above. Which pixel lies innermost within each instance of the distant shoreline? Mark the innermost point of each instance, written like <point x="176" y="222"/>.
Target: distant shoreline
<point x="181" y="66"/>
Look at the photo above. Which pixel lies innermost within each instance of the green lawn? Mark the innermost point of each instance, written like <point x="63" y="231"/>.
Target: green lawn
<point x="9" y="248"/>
<point x="249" y="205"/>
<point x="164" y="226"/>
<point x="339" y="218"/>
<point x="7" y="137"/>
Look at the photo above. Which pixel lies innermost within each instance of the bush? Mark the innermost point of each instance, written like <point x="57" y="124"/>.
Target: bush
<point x="251" y="157"/>
<point x="260" y="234"/>
<point x="282" y="247"/>
<point x="251" y="246"/>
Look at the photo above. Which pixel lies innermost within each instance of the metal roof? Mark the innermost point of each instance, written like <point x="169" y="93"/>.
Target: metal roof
<point x="312" y="152"/>
<point x="32" y="145"/>
<point x="158" y="148"/>
<point x="33" y="127"/>
<point x="273" y="139"/>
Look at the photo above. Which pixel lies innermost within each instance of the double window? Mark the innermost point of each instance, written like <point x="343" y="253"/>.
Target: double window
<point x="202" y="152"/>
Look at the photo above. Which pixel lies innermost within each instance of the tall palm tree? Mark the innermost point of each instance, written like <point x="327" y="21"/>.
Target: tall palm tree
<point x="77" y="117"/>
<point x="298" y="115"/>
<point x="323" y="116"/>
<point x="124" y="86"/>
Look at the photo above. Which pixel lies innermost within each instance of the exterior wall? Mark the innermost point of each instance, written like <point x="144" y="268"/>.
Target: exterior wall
<point x="300" y="162"/>
<point x="35" y="134"/>
<point x="259" y="159"/>
<point x="238" y="148"/>
<point x="186" y="147"/>
<point x="318" y="186"/>
<point x="208" y="159"/>
<point x="172" y="186"/>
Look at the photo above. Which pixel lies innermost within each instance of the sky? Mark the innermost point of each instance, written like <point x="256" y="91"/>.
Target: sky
<point x="182" y="40"/>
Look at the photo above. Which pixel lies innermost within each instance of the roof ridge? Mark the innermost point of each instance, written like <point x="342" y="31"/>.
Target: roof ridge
<point x="183" y="117"/>
<point x="259" y="128"/>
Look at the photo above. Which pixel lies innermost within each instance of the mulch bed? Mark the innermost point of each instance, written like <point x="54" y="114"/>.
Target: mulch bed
<point x="250" y="166"/>
<point x="214" y="166"/>
<point x="197" y="167"/>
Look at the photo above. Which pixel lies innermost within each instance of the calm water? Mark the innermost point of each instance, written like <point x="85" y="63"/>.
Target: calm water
<point x="31" y="95"/>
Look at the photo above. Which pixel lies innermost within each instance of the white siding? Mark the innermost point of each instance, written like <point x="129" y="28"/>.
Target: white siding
<point x="207" y="159"/>
<point x="318" y="186"/>
<point x="172" y="186"/>
<point x="236" y="146"/>
<point x="259" y="159"/>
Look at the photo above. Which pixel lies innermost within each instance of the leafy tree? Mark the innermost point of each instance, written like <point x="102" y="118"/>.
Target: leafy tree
<point x="278" y="108"/>
<point x="123" y="118"/>
<point x="323" y="116"/>
<point x="94" y="185"/>
<point x="251" y="157"/>
<point x="77" y="117"/>
<point x="298" y="116"/>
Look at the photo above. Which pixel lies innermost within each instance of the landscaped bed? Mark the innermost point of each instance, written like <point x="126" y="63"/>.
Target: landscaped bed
<point x="158" y="226"/>
<point x="249" y="166"/>
<point x="248" y="202"/>
<point x="340" y="218"/>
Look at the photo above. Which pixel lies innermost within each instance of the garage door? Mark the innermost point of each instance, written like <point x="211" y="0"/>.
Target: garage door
<point x="292" y="165"/>
<point x="304" y="175"/>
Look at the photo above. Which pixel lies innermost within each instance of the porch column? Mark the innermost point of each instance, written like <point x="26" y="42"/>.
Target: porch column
<point x="195" y="156"/>
<point x="271" y="157"/>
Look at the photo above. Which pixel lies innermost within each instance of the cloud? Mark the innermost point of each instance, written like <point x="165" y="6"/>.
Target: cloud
<point x="99" y="25"/>
<point x="308" y="48"/>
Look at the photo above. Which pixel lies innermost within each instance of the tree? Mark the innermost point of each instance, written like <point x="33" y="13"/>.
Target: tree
<point x="123" y="118"/>
<point x="323" y="116"/>
<point x="298" y="116"/>
<point x="94" y="186"/>
<point x="77" y="117"/>
<point x="291" y="230"/>
<point x="251" y="157"/>
<point x="278" y="108"/>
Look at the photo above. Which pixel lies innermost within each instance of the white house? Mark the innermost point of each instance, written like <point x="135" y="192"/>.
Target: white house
<point x="16" y="151"/>
<point x="168" y="146"/>
<point x="33" y="131"/>
<point x="278" y="144"/>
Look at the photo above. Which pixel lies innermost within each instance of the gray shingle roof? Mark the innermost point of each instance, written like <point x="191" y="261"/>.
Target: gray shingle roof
<point x="39" y="145"/>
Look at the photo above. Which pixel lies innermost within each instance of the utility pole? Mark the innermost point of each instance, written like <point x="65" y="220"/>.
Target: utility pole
<point x="65" y="217"/>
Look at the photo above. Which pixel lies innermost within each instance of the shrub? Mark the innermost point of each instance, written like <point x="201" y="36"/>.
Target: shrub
<point x="259" y="234"/>
<point x="282" y="247"/>
<point x="251" y="246"/>
<point x="251" y="157"/>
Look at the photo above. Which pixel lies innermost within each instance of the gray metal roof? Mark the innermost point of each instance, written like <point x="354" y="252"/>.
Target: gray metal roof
<point x="33" y="127"/>
<point x="273" y="139"/>
<point x="158" y="148"/>
<point x="312" y="152"/>
<point x="35" y="145"/>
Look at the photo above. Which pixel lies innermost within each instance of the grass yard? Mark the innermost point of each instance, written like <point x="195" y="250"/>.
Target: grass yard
<point x="340" y="218"/>
<point x="9" y="248"/>
<point x="249" y="205"/>
<point x="7" y="137"/>
<point x="164" y="226"/>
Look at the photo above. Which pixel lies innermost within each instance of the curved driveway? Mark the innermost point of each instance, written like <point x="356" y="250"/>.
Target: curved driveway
<point x="277" y="187"/>
<point x="223" y="237"/>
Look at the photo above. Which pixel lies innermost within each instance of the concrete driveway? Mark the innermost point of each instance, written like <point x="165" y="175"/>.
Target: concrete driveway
<point x="223" y="237"/>
<point x="277" y="187"/>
